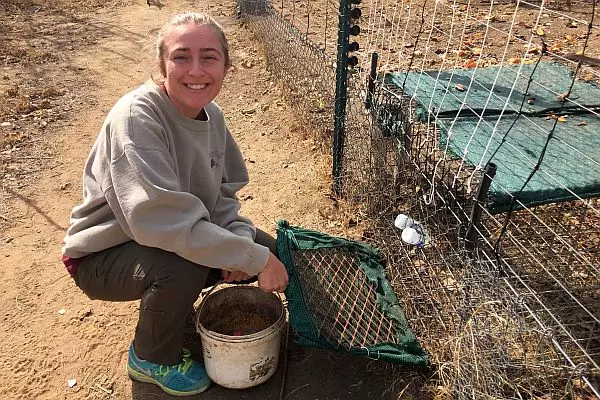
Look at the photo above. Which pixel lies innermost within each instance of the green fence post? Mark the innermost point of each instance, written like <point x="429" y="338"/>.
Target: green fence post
<point x="341" y="88"/>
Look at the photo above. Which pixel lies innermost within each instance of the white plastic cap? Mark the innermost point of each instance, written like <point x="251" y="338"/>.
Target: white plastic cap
<point x="411" y="236"/>
<point x="402" y="221"/>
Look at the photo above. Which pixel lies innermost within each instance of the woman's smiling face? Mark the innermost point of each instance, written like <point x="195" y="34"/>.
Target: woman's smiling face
<point x="194" y="67"/>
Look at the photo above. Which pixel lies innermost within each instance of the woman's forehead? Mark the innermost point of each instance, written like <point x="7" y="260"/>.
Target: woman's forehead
<point x="192" y="37"/>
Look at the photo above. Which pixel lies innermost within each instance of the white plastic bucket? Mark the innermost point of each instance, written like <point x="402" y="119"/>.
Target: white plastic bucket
<point x="240" y="327"/>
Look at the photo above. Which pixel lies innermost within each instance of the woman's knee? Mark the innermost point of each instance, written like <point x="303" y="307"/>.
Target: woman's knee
<point x="180" y="274"/>
<point x="265" y="239"/>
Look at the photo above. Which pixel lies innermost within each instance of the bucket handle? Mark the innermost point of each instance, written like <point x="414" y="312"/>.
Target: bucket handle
<point x="204" y="297"/>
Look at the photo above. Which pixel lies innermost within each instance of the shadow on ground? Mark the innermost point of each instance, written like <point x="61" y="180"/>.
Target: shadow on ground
<point x="311" y="374"/>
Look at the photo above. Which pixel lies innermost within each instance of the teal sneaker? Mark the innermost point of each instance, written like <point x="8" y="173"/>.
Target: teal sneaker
<point x="187" y="378"/>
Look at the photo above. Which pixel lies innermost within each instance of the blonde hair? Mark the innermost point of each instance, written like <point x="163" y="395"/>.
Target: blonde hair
<point x="184" y="19"/>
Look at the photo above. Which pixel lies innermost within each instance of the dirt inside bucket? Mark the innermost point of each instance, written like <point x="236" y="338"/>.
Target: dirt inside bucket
<point x="242" y="323"/>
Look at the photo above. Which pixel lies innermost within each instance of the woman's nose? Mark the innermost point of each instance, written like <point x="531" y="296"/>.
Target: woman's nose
<point x="196" y="68"/>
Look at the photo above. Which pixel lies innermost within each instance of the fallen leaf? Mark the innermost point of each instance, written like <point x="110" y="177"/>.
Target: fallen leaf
<point x="562" y="119"/>
<point x="570" y="38"/>
<point x="460" y="87"/>
<point x="514" y="60"/>
<point x="540" y="31"/>
<point x="582" y="123"/>
<point x="449" y="283"/>
<point x="418" y="263"/>
<point x="470" y="63"/>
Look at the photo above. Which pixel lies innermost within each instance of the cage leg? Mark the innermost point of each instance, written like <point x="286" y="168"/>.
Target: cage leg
<point x="475" y="219"/>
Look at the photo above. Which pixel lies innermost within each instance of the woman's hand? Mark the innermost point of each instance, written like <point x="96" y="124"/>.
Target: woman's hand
<point x="234" y="276"/>
<point x="274" y="277"/>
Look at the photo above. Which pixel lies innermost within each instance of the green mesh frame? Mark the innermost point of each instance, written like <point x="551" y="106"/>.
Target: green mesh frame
<point x="339" y="298"/>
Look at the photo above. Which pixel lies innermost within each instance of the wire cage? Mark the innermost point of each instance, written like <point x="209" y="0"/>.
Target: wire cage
<point x="505" y="295"/>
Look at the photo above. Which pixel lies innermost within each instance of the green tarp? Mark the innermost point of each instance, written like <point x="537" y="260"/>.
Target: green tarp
<point x="569" y="169"/>
<point x="494" y="89"/>
<point x="524" y="117"/>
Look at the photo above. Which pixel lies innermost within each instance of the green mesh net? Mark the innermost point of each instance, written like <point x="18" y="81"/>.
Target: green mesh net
<point x="339" y="298"/>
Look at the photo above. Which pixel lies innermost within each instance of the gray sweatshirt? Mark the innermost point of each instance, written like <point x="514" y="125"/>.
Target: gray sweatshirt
<point x="165" y="181"/>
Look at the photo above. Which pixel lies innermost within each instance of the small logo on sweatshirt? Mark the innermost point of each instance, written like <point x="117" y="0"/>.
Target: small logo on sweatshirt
<point x="215" y="157"/>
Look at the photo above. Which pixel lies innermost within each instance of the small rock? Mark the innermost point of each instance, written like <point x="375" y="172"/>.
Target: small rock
<point x="62" y="311"/>
<point x="5" y="124"/>
<point x="71" y="383"/>
<point x="10" y="239"/>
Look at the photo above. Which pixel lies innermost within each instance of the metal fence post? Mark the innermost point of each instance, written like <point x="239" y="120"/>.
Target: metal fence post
<point x="341" y="89"/>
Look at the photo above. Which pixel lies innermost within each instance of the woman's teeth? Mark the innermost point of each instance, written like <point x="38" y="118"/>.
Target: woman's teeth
<point x="196" y="86"/>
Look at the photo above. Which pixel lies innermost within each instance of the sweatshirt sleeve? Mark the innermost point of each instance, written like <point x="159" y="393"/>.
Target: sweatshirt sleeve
<point x="235" y="177"/>
<point x="146" y="200"/>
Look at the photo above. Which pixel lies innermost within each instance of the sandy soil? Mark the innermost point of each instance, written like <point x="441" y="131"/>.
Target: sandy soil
<point x="62" y="66"/>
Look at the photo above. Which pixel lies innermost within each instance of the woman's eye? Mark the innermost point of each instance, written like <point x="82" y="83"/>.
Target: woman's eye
<point x="180" y="57"/>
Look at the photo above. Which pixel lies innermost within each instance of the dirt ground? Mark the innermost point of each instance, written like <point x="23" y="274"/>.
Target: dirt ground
<point x="62" y="66"/>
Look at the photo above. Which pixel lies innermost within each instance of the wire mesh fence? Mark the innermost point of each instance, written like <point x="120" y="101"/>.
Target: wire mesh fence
<point x="299" y="41"/>
<point x="505" y="295"/>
